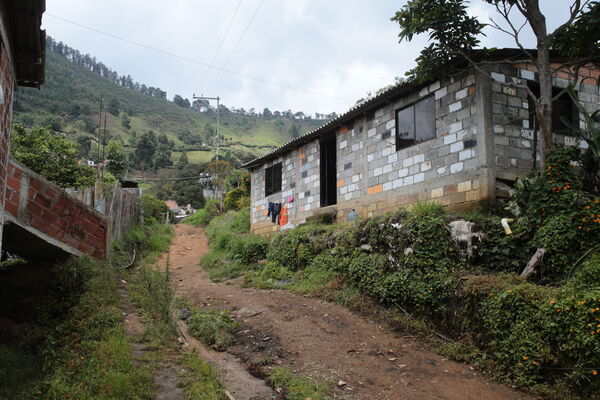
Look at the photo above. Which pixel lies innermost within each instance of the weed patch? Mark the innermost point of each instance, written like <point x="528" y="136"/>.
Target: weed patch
<point x="213" y="328"/>
<point x="297" y="387"/>
<point x="200" y="380"/>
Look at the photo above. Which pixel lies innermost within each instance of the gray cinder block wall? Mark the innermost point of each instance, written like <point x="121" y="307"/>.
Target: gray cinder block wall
<point x="482" y="134"/>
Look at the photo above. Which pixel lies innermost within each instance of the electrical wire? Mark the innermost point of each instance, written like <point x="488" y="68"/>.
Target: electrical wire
<point x="191" y="60"/>
<point x="236" y="45"/>
<point x="212" y="62"/>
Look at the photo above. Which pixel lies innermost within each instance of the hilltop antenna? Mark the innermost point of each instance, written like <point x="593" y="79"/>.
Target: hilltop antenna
<point x="218" y="99"/>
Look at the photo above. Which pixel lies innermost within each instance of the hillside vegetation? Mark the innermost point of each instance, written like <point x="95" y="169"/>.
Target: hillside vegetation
<point x="69" y="102"/>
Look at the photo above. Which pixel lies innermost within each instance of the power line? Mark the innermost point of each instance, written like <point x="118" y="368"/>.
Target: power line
<point x="212" y="62"/>
<point x="191" y="60"/>
<point x="237" y="44"/>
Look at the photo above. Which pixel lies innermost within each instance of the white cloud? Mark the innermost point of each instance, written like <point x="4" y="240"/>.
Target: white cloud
<point x="337" y="48"/>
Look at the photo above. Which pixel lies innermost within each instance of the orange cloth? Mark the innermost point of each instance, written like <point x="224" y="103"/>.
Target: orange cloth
<point x="283" y="216"/>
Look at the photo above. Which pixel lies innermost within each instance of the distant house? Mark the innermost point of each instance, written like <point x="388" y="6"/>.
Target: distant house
<point x="172" y="205"/>
<point x="22" y="63"/>
<point x="460" y="141"/>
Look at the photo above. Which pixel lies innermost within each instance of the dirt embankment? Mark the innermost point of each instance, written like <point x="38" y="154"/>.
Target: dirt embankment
<point x="321" y="340"/>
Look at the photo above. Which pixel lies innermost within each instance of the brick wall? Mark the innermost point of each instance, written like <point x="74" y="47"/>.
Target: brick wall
<point x="6" y="87"/>
<point x="51" y="214"/>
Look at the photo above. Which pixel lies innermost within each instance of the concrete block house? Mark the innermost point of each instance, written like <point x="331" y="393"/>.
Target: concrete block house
<point x="459" y="140"/>
<point x="22" y="59"/>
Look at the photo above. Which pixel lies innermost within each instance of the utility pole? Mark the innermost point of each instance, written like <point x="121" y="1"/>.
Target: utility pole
<point x="218" y="99"/>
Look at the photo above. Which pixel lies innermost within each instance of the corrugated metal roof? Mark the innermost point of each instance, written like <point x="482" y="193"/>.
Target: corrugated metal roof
<point x="343" y="119"/>
<point x="505" y="54"/>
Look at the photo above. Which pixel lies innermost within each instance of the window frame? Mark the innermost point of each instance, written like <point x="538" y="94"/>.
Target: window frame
<point x="270" y="179"/>
<point x="414" y="141"/>
<point x="573" y="115"/>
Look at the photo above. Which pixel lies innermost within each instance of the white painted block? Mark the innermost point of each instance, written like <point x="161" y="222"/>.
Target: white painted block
<point x="458" y="146"/>
<point x="390" y="124"/>
<point x="378" y="171"/>
<point x="498" y="77"/>
<point x="464" y="155"/>
<point x="387" y="168"/>
<point x="455" y="127"/>
<point x="355" y="178"/>
<point x="355" y="147"/>
<point x="387" y="186"/>
<point x="348" y="196"/>
<point x="371" y="132"/>
<point x="419" y="158"/>
<point x="526" y="74"/>
<point x="426" y="166"/>
<point x="455" y="106"/>
<point x="344" y="190"/>
<point x="448" y="139"/>
<point x="386" y="152"/>
<point x="461" y="94"/>
<point x="456" y="167"/>
<point x="369" y="157"/>
<point x="408" y="180"/>
<point x="393" y="158"/>
<point x="407" y="162"/>
<point x="420" y="177"/>
<point x="343" y="144"/>
<point x="403" y="172"/>
<point x="441" y="93"/>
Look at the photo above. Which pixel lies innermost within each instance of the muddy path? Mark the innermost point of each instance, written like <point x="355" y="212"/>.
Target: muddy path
<point x="322" y="340"/>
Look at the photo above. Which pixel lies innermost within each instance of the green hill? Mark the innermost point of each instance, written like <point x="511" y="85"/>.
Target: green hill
<point x="69" y="101"/>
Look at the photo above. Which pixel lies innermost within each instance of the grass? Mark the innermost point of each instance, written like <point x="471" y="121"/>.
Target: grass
<point x="200" y="380"/>
<point x="213" y="328"/>
<point x="297" y="387"/>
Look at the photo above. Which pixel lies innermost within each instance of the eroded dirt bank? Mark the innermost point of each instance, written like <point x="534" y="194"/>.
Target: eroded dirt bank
<point x="321" y="340"/>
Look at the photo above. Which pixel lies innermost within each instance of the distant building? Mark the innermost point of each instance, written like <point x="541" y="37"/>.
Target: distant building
<point x="459" y="141"/>
<point x="22" y="63"/>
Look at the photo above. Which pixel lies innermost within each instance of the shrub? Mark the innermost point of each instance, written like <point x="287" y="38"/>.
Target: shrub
<point x="233" y="198"/>
<point x="273" y="272"/>
<point x="213" y="328"/>
<point x="152" y="209"/>
<point x="249" y="249"/>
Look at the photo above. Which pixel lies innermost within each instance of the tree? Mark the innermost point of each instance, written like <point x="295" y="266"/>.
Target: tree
<point x="51" y="156"/>
<point x="454" y="34"/>
<point x="114" y="106"/>
<point x="125" y="121"/>
<point x="117" y="159"/>
<point x="295" y="130"/>
<point x="218" y="171"/>
<point x="267" y="113"/>
<point x="181" y="102"/>
<point x="183" y="160"/>
<point x="145" y="150"/>
<point x="84" y="143"/>
<point x="189" y="192"/>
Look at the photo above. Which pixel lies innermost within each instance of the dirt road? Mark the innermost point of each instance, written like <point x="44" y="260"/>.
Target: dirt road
<point x="321" y="340"/>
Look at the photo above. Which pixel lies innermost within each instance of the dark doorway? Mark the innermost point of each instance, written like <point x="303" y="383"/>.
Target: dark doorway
<point x="328" y="171"/>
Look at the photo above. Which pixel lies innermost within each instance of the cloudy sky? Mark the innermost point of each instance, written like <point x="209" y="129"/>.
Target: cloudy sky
<point x="308" y="55"/>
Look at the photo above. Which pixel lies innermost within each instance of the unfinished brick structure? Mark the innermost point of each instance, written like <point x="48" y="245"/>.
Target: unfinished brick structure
<point x="44" y="222"/>
<point x="22" y="46"/>
<point x="459" y="141"/>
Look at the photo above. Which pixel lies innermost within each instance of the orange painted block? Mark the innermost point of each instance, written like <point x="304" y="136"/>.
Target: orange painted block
<point x="375" y="189"/>
<point x="265" y="212"/>
<point x="343" y="130"/>
<point x="341" y="183"/>
<point x="301" y="155"/>
<point x="472" y="89"/>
